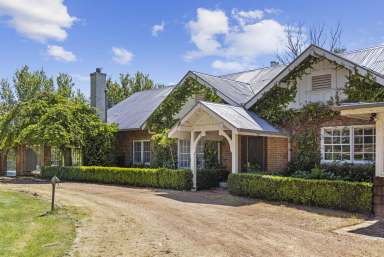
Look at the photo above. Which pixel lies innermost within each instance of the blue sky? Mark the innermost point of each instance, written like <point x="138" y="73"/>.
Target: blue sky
<point x="166" y="38"/>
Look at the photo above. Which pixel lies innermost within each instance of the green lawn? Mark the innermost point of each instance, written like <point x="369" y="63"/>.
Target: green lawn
<point x="25" y="232"/>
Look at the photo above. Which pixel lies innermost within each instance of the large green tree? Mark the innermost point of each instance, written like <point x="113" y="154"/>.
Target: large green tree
<point x="128" y="85"/>
<point x="39" y="112"/>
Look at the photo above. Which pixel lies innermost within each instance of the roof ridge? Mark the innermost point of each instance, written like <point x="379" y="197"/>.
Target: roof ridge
<point x="362" y="49"/>
<point x="222" y="78"/>
<point x="260" y="68"/>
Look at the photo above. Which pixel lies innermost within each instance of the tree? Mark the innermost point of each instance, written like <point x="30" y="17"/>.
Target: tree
<point x="297" y="39"/>
<point x="128" y="85"/>
<point x="49" y="115"/>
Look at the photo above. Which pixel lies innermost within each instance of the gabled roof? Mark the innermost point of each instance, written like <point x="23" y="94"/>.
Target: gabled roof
<point x="133" y="112"/>
<point x="235" y="117"/>
<point x="370" y="58"/>
<point x="316" y="51"/>
<point x="240" y="118"/>
<point x="231" y="91"/>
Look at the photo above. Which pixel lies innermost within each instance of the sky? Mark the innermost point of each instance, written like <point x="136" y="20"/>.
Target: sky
<point x="165" y="39"/>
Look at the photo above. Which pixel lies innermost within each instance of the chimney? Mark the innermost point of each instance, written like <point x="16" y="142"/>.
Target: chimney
<point x="274" y="63"/>
<point x="98" y="93"/>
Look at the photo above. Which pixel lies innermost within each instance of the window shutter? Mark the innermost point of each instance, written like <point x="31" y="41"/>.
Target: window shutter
<point x="321" y="82"/>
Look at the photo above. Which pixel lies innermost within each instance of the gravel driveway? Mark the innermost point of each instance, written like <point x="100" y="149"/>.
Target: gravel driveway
<point x="124" y="221"/>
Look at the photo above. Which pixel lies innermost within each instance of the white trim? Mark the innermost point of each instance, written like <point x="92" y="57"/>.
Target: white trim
<point x="351" y="144"/>
<point x="141" y="151"/>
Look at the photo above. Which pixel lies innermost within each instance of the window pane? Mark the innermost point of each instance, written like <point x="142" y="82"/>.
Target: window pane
<point x="336" y="140"/>
<point x="137" y="152"/>
<point x="146" y="152"/>
<point x="328" y="156"/>
<point x="327" y="140"/>
<point x="345" y="140"/>
<point x="368" y="139"/>
<point x="345" y="149"/>
<point x="336" y="132"/>
<point x="346" y="157"/>
<point x="358" y="139"/>
<point x="328" y="148"/>
<point x="368" y="148"/>
<point x="358" y="157"/>
<point x="327" y="132"/>
<point x="337" y="148"/>
<point x="358" y="131"/>
<point x="368" y="131"/>
<point x="369" y="157"/>
<point x="358" y="148"/>
<point x="336" y="156"/>
<point x="345" y="132"/>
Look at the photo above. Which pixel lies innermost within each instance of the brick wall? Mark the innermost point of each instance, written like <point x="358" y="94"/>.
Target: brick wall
<point x="124" y="145"/>
<point x="277" y="153"/>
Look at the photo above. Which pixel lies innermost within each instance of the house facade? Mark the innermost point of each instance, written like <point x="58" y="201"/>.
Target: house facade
<point x="244" y="140"/>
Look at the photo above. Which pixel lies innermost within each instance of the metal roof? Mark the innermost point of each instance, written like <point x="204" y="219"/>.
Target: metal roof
<point x="358" y="105"/>
<point x="134" y="111"/>
<point x="237" y="91"/>
<point x="241" y="118"/>
<point x="370" y="58"/>
<point x="256" y="78"/>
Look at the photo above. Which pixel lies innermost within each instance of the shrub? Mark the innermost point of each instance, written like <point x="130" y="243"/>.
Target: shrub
<point x="147" y="177"/>
<point x="343" y="195"/>
<point x="208" y="178"/>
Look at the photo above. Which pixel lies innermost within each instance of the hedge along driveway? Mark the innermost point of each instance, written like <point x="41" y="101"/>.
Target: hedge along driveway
<point x="337" y="194"/>
<point x="143" y="177"/>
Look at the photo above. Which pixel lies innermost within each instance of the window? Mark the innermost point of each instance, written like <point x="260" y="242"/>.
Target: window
<point x="56" y="156"/>
<point x="349" y="144"/>
<point x="76" y="156"/>
<point x="321" y="82"/>
<point x="184" y="158"/>
<point x="184" y="154"/>
<point x="141" y="152"/>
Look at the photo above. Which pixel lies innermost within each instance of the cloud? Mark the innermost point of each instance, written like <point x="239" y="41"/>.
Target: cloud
<point x="157" y="28"/>
<point x="239" y="38"/>
<point x="39" y="20"/>
<point x="273" y="11"/>
<point x="244" y="17"/>
<point x="228" y="66"/>
<point x="121" y="55"/>
<point x="60" y="54"/>
<point x="204" y="30"/>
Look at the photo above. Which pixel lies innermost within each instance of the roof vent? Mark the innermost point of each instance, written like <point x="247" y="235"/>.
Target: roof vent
<point x="274" y="63"/>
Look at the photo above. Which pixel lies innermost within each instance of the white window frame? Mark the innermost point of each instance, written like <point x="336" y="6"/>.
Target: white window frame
<point x="179" y="153"/>
<point x="141" y="152"/>
<point x="351" y="145"/>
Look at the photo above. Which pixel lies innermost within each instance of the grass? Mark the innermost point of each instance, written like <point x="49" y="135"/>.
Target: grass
<point x="26" y="231"/>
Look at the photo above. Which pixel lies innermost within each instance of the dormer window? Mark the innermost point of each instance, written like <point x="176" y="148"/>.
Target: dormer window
<point x="321" y="82"/>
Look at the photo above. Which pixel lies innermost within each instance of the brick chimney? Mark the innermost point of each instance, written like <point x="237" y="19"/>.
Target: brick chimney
<point x="98" y="93"/>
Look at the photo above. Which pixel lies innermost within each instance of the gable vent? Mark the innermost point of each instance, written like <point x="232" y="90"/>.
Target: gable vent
<point x="321" y="82"/>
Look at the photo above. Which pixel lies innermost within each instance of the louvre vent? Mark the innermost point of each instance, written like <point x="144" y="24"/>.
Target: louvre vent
<point x="321" y="82"/>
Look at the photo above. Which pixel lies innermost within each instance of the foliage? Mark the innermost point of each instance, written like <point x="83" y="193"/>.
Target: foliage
<point x="363" y="88"/>
<point x="159" y="178"/>
<point x="128" y="85"/>
<point x="211" y="160"/>
<point x="37" y="113"/>
<point x="344" y="195"/>
<point x="208" y="178"/>
<point x="165" y="150"/>
<point x="26" y="232"/>
<point x="164" y="117"/>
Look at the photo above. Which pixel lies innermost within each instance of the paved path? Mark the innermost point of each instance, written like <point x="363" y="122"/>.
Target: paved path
<point x="125" y="221"/>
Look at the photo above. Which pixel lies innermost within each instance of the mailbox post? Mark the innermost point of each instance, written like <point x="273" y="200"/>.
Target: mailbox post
<point x="54" y="181"/>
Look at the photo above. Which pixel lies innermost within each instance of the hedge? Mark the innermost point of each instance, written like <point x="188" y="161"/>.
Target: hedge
<point x="142" y="177"/>
<point x="343" y="195"/>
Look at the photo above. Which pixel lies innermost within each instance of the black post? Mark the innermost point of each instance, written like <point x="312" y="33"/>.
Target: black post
<point x="53" y="197"/>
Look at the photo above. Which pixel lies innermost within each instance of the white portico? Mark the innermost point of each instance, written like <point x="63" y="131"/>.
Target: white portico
<point x="218" y="122"/>
<point x="372" y="111"/>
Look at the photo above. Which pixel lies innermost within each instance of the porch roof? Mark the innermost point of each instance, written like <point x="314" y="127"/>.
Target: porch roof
<point x="234" y="117"/>
<point x="360" y="110"/>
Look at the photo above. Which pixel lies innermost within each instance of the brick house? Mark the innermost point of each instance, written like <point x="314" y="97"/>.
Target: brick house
<point x="244" y="140"/>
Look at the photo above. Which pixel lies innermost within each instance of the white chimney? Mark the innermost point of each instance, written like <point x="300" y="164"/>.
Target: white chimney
<point x="98" y="93"/>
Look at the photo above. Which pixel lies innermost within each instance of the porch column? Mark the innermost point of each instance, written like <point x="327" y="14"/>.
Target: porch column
<point x="235" y="152"/>
<point x="378" y="180"/>
<point x="193" y="160"/>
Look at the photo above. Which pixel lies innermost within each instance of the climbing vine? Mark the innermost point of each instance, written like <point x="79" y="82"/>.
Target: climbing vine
<point x="165" y="117"/>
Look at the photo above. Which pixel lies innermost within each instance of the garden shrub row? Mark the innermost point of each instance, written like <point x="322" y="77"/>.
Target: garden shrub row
<point x="343" y="195"/>
<point x="142" y="177"/>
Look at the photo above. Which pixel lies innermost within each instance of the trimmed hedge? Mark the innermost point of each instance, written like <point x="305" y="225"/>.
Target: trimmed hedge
<point x="142" y="177"/>
<point x="343" y="195"/>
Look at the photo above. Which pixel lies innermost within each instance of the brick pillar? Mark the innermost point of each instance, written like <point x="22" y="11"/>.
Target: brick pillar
<point x="378" y="196"/>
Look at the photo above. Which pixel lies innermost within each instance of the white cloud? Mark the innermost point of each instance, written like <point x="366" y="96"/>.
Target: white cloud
<point x="273" y="11"/>
<point x="228" y="66"/>
<point x="121" y="55"/>
<point x="239" y="40"/>
<point x="39" y="20"/>
<point x="204" y="30"/>
<point x="157" y="28"/>
<point x="60" y="54"/>
<point x="244" y="17"/>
